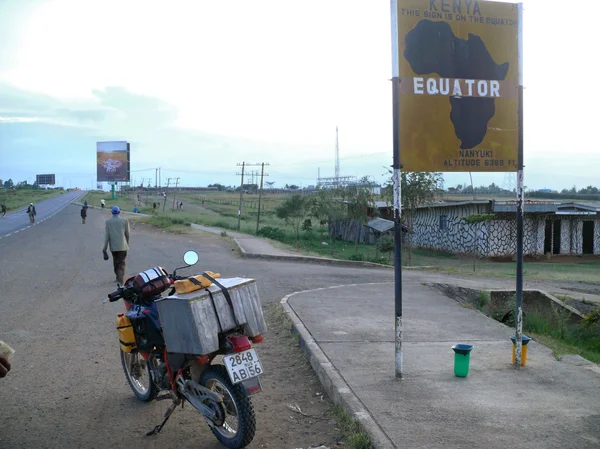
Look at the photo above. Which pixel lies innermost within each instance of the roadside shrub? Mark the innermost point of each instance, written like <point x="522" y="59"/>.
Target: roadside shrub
<point x="272" y="233"/>
<point x="357" y="257"/>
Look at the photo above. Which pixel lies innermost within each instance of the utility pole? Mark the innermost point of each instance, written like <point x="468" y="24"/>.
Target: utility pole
<point x="159" y="183"/>
<point x="175" y="194"/>
<point x="262" y="175"/>
<point x="241" y="193"/>
<point x="156" y="179"/>
<point x="166" y="193"/>
<point x="244" y="165"/>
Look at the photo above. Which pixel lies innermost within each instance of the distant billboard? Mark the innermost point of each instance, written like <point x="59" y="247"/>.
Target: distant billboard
<point x="112" y="159"/>
<point x="45" y="180"/>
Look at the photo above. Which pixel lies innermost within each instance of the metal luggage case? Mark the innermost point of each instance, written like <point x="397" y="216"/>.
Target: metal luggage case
<point x="191" y="322"/>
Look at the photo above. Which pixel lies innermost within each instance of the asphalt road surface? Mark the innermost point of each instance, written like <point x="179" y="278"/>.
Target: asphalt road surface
<point x="67" y="388"/>
<point x="18" y="220"/>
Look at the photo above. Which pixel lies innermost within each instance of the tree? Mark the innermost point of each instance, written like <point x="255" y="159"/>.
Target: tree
<point x="359" y="198"/>
<point x="418" y="189"/>
<point x="327" y="208"/>
<point x="220" y="187"/>
<point x="385" y="244"/>
<point x="9" y="184"/>
<point x="294" y="210"/>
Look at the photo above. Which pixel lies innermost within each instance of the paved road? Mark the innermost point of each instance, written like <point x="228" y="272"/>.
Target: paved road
<point x="18" y="220"/>
<point x="67" y="388"/>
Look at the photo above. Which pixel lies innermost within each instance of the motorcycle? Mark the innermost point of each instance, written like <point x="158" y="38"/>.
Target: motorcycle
<point x="219" y="388"/>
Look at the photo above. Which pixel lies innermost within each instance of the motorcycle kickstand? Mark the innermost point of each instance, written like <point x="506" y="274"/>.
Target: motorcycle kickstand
<point x="168" y="414"/>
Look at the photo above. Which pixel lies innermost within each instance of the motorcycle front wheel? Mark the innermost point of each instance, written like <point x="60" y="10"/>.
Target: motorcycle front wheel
<point x="239" y="422"/>
<point x="137" y="373"/>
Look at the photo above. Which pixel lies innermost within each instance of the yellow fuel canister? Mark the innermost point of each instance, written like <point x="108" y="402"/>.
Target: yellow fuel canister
<point x="126" y="335"/>
<point x="187" y="286"/>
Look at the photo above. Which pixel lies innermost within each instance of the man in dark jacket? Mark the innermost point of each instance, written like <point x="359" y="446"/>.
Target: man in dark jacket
<point x="117" y="235"/>
<point x="83" y="214"/>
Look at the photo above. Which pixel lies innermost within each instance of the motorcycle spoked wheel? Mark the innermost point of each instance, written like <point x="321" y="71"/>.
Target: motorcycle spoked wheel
<point x="137" y="373"/>
<point x="239" y="424"/>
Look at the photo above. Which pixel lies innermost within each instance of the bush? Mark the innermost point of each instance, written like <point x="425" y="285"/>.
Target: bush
<point x="357" y="257"/>
<point x="272" y="233"/>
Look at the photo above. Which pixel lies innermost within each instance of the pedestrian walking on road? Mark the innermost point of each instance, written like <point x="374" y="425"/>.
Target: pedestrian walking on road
<point x="32" y="213"/>
<point x="181" y="205"/>
<point x="83" y="214"/>
<point x="3" y="210"/>
<point x="154" y="206"/>
<point x="102" y="202"/>
<point x="117" y="235"/>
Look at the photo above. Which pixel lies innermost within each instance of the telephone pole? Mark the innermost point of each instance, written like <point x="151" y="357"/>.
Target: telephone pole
<point x="166" y="193"/>
<point x="175" y="194"/>
<point x="262" y="175"/>
<point x="243" y="164"/>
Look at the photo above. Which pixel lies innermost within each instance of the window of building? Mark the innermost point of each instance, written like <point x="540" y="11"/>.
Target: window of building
<point x="443" y="222"/>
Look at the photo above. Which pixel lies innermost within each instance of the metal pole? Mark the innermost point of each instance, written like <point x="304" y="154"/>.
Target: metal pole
<point x="166" y="194"/>
<point x="175" y="193"/>
<point x="519" y="289"/>
<point x="397" y="188"/>
<point x="241" y="193"/>
<point x="262" y="173"/>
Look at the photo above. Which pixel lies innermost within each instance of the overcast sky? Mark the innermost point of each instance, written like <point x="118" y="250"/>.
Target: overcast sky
<point x="199" y="86"/>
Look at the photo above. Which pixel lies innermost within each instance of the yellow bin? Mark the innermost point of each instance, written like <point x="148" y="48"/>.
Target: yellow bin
<point x="126" y="334"/>
<point x="524" y="339"/>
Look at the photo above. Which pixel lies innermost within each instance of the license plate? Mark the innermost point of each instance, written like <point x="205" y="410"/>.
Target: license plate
<point x="243" y="366"/>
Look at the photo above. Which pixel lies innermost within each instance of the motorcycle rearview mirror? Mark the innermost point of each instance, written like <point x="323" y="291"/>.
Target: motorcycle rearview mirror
<point x="190" y="258"/>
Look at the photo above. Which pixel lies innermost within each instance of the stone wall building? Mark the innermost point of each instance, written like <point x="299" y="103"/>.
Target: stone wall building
<point x="549" y="227"/>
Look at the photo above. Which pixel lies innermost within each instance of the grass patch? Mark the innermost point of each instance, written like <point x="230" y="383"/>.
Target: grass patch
<point x="555" y="331"/>
<point x="17" y="198"/>
<point x="351" y="429"/>
<point x="169" y="223"/>
<point x="564" y="339"/>
<point x="124" y="202"/>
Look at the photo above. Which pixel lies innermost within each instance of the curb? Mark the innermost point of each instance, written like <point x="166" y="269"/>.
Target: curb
<point x="337" y="389"/>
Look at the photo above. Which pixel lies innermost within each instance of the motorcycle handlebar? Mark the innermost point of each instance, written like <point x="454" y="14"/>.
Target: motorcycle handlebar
<point x="115" y="296"/>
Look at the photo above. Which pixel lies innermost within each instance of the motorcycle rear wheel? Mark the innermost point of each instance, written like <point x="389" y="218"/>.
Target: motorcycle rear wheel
<point x="139" y="378"/>
<point x="239" y="426"/>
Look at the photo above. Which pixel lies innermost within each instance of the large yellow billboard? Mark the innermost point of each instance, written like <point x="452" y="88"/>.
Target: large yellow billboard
<point x="459" y="72"/>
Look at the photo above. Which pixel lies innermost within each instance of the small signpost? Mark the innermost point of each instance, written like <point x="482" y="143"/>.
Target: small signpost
<point x="457" y="88"/>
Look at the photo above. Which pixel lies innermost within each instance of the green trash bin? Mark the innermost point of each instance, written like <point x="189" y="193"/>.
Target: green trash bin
<point x="462" y="358"/>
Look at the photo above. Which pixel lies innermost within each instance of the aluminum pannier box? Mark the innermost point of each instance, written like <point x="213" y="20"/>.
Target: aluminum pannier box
<point x="191" y="322"/>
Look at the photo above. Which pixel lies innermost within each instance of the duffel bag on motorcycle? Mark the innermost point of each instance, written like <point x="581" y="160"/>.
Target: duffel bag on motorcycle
<point x="152" y="282"/>
<point x="194" y="283"/>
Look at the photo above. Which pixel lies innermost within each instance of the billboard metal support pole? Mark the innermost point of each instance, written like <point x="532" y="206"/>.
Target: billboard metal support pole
<point x="397" y="188"/>
<point x="112" y="190"/>
<point x="262" y="174"/>
<point x="519" y="286"/>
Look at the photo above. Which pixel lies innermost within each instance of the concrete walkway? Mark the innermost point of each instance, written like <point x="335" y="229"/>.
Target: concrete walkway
<point x="348" y="333"/>
<point x="259" y="248"/>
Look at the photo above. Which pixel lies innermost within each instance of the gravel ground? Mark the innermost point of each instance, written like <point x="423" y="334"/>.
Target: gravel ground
<point x="67" y="388"/>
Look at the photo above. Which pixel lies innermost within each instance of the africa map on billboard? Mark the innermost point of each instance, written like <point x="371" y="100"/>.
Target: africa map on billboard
<point x="112" y="159"/>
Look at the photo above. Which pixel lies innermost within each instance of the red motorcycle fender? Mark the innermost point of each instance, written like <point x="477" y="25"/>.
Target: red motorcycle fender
<point x="252" y="386"/>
